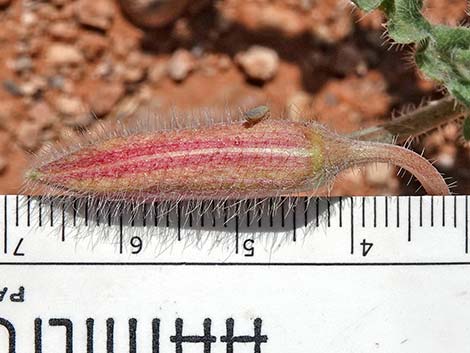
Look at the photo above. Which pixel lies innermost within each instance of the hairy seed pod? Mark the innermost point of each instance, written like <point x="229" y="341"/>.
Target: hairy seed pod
<point x="255" y="158"/>
<point x="153" y="13"/>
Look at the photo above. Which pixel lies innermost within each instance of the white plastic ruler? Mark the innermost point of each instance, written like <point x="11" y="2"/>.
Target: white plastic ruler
<point x="362" y="274"/>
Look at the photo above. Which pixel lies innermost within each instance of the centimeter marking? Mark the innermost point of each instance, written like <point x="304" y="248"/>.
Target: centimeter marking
<point x="67" y="220"/>
<point x="271" y="215"/>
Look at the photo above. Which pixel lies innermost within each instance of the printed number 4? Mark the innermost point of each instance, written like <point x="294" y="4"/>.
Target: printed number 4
<point x="366" y="247"/>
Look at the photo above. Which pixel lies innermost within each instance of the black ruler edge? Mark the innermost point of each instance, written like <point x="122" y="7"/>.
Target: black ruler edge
<point x="263" y="264"/>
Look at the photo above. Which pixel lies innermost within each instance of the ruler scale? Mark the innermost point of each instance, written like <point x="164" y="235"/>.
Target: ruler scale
<point x="346" y="274"/>
<point x="327" y="231"/>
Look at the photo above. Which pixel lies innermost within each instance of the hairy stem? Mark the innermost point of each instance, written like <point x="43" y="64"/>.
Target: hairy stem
<point x="418" y="122"/>
<point x="427" y="175"/>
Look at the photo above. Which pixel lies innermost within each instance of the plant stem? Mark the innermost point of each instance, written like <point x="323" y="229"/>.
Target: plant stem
<point x="418" y="122"/>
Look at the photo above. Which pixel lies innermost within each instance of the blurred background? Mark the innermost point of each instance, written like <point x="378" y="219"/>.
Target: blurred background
<point x="64" y="63"/>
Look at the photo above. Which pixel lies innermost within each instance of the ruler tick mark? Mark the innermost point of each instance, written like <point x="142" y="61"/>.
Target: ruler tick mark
<point x="328" y="213"/>
<point x="317" y="212"/>
<point x="432" y="211"/>
<point x="40" y="212"/>
<point x="201" y="217"/>
<point x="132" y="335"/>
<point x="420" y="211"/>
<point x="294" y="222"/>
<point x="5" y="224"/>
<point x="63" y="222"/>
<point x="305" y="211"/>
<point x="455" y="211"/>
<point x="466" y="224"/>
<point x="283" y="212"/>
<point x="375" y="212"/>
<point x="340" y="211"/>
<point x="409" y="218"/>
<point x="28" y="212"/>
<point x="51" y="213"/>
<point x="398" y="212"/>
<point x="17" y="216"/>
<point x="386" y="211"/>
<point x="443" y="211"/>
<point x="178" y="215"/>
<point x="120" y="233"/>
<point x="352" y="225"/>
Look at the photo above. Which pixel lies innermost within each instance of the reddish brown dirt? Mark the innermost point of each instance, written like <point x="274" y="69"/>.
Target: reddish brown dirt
<point x="56" y="68"/>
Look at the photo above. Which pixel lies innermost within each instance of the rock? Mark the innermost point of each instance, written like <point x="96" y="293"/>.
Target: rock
<point x="446" y="157"/>
<point x="56" y="82"/>
<point x="28" y="135"/>
<point x="92" y="45"/>
<point x="33" y="86"/>
<point x="72" y="111"/>
<point x="67" y="105"/>
<point x="104" y="69"/>
<point x="103" y="97"/>
<point x="63" y="55"/>
<point x="28" y="18"/>
<point x="12" y="87"/>
<point x="154" y="13"/>
<point x="98" y="14"/>
<point x="259" y="63"/>
<point x="157" y="72"/>
<point x="42" y="114"/>
<point x="23" y="64"/>
<point x="66" y="31"/>
<point x="280" y="18"/>
<point x="331" y="21"/>
<point x="180" y="65"/>
<point x="133" y="74"/>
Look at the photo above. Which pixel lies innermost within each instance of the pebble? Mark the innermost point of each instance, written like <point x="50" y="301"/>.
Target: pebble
<point x="68" y="105"/>
<point x="72" y="111"/>
<point x="12" y="87"/>
<point x="23" y="64"/>
<point x="98" y="14"/>
<point x="278" y="18"/>
<point x="42" y="114"/>
<point x="56" y="82"/>
<point x="133" y="74"/>
<point x="29" y="135"/>
<point x="180" y="65"/>
<point x="259" y="63"/>
<point x="446" y="156"/>
<point x="92" y="45"/>
<point x="34" y="86"/>
<point x="157" y="72"/>
<point x="63" y="55"/>
<point x="103" y="97"/>
<point x="66" y="31"/>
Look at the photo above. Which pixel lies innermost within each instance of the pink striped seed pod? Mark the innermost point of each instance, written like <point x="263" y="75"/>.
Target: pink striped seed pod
<point x="255" y="158"/>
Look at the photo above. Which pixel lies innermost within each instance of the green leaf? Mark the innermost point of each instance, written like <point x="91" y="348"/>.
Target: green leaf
<point x="406" y="23"/>
<point x="443" y="52"/>
<point x="368" y="5"/>
<point x="466" y="129"/>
